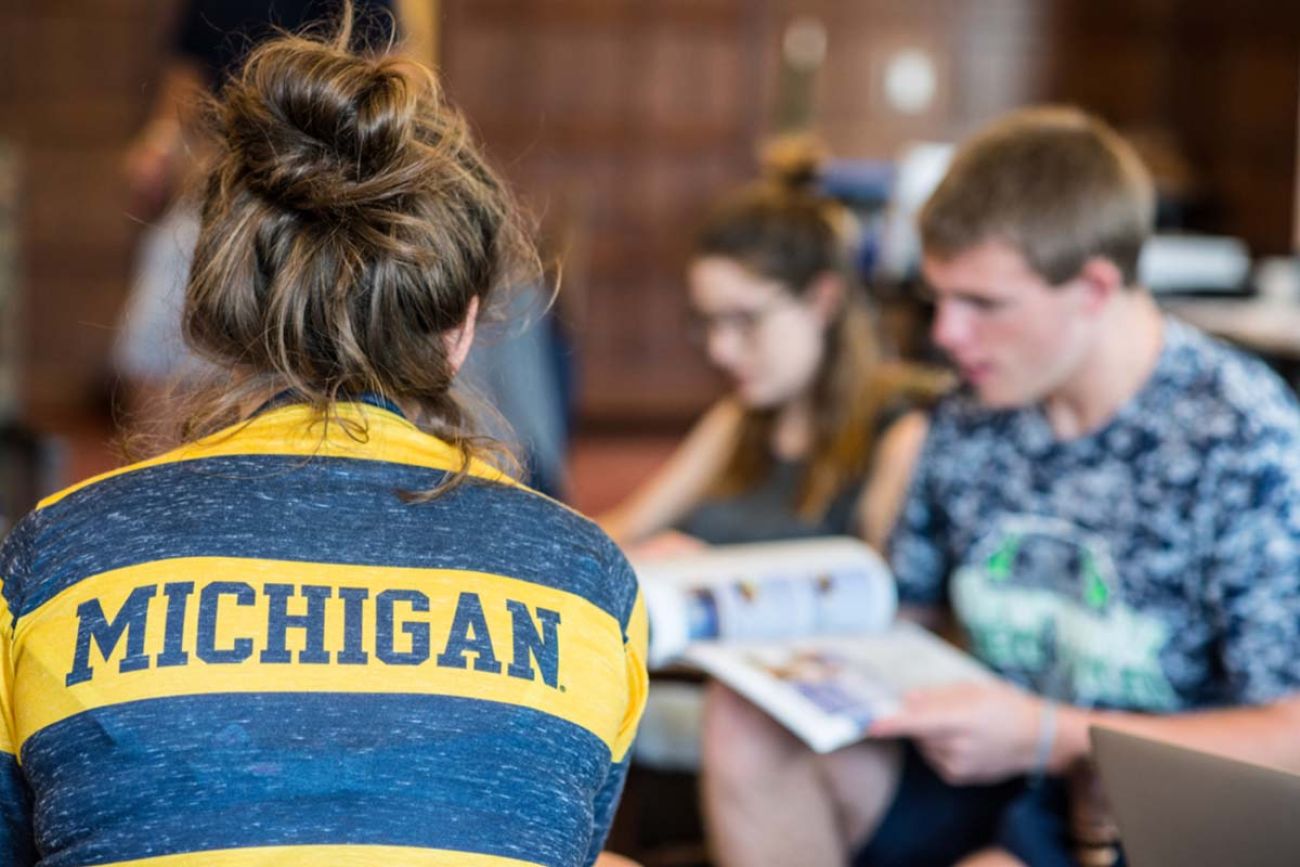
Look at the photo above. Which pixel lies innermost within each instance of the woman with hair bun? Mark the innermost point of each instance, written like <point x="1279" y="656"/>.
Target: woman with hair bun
<point x="327" y="628"/>
<point x="798" y="449"/>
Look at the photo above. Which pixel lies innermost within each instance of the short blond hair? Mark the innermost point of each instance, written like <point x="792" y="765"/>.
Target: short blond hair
<point x="1058" y="184"/>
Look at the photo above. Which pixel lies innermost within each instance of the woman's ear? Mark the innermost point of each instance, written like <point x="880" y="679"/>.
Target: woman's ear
<point x="825" y="295"/>
<point x="458" y="340"/>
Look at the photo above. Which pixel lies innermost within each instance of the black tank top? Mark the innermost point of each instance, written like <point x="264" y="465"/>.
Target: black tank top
<point x="767" y="512"/>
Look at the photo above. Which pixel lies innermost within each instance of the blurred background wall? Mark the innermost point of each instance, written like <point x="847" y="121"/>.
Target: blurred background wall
<point x="620" y="119"/>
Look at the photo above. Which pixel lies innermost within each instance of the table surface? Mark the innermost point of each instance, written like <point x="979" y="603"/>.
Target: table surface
<point x="1268" y="327"/>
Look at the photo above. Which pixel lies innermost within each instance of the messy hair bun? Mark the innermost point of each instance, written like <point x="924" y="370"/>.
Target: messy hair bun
<point x="347" y="225"/>
<point x="782" y="227"/>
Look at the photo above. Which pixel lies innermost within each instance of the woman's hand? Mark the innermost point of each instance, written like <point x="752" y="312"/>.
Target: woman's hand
<point x="669" y="543"/>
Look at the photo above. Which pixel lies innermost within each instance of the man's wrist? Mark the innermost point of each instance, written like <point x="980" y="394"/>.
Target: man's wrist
<point x="1071" y="744"/>
<point x="1045" y="739"/>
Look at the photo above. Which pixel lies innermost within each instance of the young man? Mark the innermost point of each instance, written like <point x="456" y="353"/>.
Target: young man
<point x="1110" y="510"/>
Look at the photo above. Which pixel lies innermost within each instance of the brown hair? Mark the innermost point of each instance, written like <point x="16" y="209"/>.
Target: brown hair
<point x="782" y="229"/>
<point x="346" y="226"/>
<point x="1056" y="183"/>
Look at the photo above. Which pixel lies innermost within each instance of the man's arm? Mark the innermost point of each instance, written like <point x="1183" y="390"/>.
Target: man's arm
<point x="1252" y="594"/>
<point x="980" y="733"/>
<point x="1250" y="584"/>
<point x="1267" y="734"/>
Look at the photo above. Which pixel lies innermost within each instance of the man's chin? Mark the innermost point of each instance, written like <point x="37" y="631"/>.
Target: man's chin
<point x="999" y="398"/>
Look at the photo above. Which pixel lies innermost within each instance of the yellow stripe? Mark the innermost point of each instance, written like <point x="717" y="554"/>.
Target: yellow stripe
<point x="335" y="856"/>
<point x="594" y="687"/>
<point x="8" y="742"/>
<point x="297" y="430"/>
<point x="638" y="636"/>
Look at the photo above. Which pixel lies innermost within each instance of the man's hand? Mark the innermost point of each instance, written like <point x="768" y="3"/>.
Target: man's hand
<point x="970" y="733"/>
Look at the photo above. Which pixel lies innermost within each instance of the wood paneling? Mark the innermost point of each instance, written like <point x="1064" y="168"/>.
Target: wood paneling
<point x="630" y="117"/>
<point x="75" y="82"/>
<point x="1219" y="81"/>
<point x="986" y="55"/>
<point x="621" y="119"/>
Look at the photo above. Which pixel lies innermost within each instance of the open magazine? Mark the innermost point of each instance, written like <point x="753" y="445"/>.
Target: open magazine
<point x="804" y="629"/>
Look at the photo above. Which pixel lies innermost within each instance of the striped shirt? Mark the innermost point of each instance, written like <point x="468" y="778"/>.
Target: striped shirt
<point x="252" y="651"/>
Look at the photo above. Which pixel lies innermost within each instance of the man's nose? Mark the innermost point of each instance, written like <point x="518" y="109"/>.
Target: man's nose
<point x="951" y="327"/>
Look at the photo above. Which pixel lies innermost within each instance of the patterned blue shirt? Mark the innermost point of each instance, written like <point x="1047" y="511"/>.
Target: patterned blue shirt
<point x="1151" y="565"/>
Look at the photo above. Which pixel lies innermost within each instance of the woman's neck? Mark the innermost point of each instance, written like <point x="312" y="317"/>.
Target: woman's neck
<point x="792" y="433"/>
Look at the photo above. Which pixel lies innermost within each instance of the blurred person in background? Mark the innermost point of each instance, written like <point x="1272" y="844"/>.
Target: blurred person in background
<point x="803" y="446"/>
<point x="1110" y="511"/>
<point x="328" y="628"/>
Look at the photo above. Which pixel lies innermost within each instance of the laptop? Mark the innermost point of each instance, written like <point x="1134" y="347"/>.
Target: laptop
<point x="1180" y="808"/>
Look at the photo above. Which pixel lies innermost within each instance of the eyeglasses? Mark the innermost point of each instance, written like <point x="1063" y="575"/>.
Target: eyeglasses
<point x="745" y="324"/>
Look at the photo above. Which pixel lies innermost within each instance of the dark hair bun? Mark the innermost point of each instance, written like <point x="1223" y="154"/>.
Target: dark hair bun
<point x="319" y="132"/>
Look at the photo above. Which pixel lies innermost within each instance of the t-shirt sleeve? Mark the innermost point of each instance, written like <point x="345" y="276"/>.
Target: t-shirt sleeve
<point x="606" y="805"/>
<point x="1253" y="572"/>
<point x="17" y="844"/>
<point x="918" y="551"/>
<point x="637" y="683"/>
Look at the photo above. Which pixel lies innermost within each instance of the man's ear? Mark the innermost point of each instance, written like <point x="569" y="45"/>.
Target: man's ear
<point x="459" y="339"/>
<point x="825" y="295"/>
<point x="1102" y="280"/>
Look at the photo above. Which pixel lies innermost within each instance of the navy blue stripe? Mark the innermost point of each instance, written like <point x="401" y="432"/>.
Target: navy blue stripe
<point x="287" y="397"/>
<point x="13" y="563"/>
<point x="188" y="774"/>
<point x="327" y="510"/>
<point x="16" y="843"/>
<point x="606" y="805"/>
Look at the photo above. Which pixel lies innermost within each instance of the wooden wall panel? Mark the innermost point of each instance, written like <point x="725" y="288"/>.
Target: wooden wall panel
<point x="618" y="121"/>
<point x="1220" y="81"/>
<point x="662" y="103"/>
<point x="77" y="80"/>
<point x="986" y="56"/>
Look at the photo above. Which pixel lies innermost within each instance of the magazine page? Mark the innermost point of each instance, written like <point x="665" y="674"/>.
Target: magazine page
<point x="829" y="690"/>
<point x="765" y="591"/>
